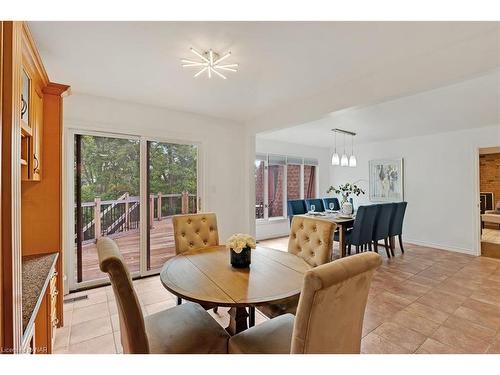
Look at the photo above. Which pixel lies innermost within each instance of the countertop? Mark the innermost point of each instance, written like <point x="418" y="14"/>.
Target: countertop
<point x="37" y="271"/>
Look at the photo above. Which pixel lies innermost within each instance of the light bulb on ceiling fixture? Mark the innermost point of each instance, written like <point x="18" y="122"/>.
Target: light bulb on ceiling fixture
<point x="352" y="158"/>
<point x="344" y="161"/>
<point x="210" y="62"/>
<point x="335" y="155"/>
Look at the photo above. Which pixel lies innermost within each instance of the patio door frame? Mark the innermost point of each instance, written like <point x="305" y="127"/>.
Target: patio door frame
<point x="70" y="283"/>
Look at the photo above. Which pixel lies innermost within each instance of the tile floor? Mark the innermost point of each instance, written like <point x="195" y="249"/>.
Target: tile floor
<point x="425" y="301"/>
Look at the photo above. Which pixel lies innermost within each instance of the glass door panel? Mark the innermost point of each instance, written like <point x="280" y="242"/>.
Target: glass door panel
<point x="172" y="185"/>
<point x="309" y="181"/>
<point x="107" y="201"/>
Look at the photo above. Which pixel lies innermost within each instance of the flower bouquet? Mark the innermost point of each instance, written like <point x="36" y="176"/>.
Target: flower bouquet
<point x="240" y="246"/>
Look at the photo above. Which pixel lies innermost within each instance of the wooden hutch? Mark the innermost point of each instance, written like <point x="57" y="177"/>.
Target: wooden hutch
<point x="31" y="256"/>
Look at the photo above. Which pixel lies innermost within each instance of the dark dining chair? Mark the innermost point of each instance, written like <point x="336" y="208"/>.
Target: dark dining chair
<point x="296" y="207"/>
<point x="335" y="201"/>
<point x="361" y="232"/>
<point x="396" y="225"/>
<point x="381" y="227"/>
<point x="318" y="205"/>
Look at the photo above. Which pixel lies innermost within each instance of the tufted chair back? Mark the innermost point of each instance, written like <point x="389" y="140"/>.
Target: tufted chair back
<point x="332" y="305"/>
<point x="311" y="239"/>
<point x="195" y="231"/>
<point x="132" y="329"/>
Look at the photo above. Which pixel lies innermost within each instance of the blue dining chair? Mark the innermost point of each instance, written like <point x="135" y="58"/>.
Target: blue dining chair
<point x="396" y="225"/>
<point x="296" y="207"/>
<point x="335" y="201"/>
<point x="361" y="232"/>
<point x="318" y="205"/>
<point x="381" y="227"/>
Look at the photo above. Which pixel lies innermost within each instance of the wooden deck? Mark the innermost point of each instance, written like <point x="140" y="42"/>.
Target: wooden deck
<point x="162" y="248"/>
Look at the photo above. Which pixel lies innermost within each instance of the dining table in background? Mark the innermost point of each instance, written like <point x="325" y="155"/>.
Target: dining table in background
<point x="342" y="223"/>
<point x="206" y="276"/>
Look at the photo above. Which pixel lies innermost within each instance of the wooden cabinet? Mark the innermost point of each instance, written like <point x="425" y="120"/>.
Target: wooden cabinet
<point x="32" y="85"/>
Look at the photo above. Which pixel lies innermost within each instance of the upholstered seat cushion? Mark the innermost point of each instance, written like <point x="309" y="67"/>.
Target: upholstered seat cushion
<point x="185" y="329"/>
<point x="271" y="337"/>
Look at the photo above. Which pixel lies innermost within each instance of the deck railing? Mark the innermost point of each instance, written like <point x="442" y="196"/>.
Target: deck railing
<point x="117" y="217"/>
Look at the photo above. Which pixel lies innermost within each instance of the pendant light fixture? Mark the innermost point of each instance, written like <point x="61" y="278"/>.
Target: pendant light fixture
<point x="352" y="158"/>
<point x="335" y="156"/>
<point x="344" y="160"/>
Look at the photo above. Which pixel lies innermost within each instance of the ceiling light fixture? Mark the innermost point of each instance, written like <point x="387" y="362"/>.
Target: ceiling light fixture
<point x="344" y="161"/>
<point x="210" y="63"/>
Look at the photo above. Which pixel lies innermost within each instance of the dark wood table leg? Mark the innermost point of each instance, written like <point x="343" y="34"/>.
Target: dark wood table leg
<point x="251" y="316"/>
<point x="237" y="320"/>
<point x="342" y="234"/>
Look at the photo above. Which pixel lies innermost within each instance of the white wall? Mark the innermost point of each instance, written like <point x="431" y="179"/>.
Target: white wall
<point x="223" y="148"/>
<point x="440" y="184"/>
<point x="280" y="227"/>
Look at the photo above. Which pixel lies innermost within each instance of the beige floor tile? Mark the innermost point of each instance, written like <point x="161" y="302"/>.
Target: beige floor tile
<point x="155" y="296"/>
<point x="495" y="346"/>
<point x="115" y="322"/>
<point x="160" y="306"/>
<point x="486" y="297"/>
<point x="118" y="342"/>
<point x="458" y="339"/>
<point x="442" y="301"/>
<point x="470" y="328"/>
<point x="90" y="312"/>
<point x="112" y="308"/>
<point x="479" y="312"/>
<point x="409" y="290"/>
<point x="90" y="329"/>
<point x="427" y="312"/>
<point x="401" y="336"/>
<point x="62" y="337"/>
<point x="374" y="344"/>
<point x="92" y="299"/>
<point x="431" y="346"/>
<point x="100" y="345"/>
<point x="415" y="322"/>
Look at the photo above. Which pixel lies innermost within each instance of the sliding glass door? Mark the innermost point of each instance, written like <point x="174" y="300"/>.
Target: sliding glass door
<point x="107" y="201"/>
<point x="172" y="189"/>
<point x="108" y="194"/>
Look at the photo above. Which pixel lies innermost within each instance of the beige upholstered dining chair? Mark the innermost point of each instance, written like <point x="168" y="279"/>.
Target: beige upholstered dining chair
<point x="195" y="231"/>
<point x="187" y="328"/>
<point x="312" y="240"/>
<point x="329" y="316"/>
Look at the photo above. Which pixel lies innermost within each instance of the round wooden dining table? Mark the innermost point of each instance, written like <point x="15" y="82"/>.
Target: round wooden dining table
<point x="206" y="276"/>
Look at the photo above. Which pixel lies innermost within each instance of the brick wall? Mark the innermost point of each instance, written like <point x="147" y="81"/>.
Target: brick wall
<point x="293" y="181"/>
<point x="308" y="169"/>
<point x="489" y="174"/>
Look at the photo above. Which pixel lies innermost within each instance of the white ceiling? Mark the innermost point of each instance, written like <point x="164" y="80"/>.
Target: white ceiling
<point x="468" y="104"/>
<point x="280" y="62"/>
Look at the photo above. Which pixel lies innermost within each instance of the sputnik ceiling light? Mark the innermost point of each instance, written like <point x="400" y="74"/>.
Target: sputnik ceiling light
<point x="344" y="161"/>
<point x="210" y="62"/>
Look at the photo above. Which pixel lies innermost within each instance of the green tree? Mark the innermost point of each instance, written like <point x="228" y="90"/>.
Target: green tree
<point x="110" y="168"/>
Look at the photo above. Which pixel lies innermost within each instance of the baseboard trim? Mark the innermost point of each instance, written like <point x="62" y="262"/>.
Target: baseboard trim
<point x="441" y="247"/>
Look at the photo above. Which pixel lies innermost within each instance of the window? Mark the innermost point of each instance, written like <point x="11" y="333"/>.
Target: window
<point x="279" y="179"/>
<point x="275" y="184"/>
<point x="259" y="186"/>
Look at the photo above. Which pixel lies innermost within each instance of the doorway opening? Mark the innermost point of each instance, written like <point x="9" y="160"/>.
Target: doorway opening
<point x="489" y="182"/>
